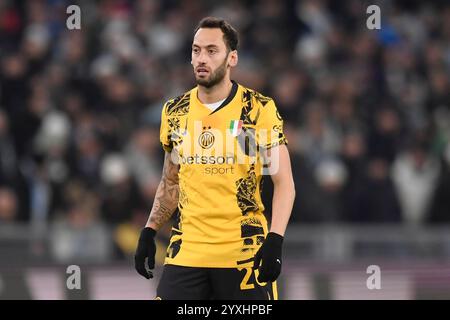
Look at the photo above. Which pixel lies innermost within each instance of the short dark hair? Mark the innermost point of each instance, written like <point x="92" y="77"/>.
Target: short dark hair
<point x="230" y="35"/>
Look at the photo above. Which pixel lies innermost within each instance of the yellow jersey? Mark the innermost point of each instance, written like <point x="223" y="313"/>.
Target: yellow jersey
<point x="221" y="222"/>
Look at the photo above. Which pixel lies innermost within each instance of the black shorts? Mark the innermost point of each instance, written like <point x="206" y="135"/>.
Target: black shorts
<point x="189" y="283"/>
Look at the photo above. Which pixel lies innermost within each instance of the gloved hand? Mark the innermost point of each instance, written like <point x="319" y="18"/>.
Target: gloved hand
<point x="269" y="255"/>
<point x="146" y="249"/>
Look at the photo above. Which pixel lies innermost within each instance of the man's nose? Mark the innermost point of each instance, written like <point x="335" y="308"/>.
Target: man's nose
<point x="202" y="57"/>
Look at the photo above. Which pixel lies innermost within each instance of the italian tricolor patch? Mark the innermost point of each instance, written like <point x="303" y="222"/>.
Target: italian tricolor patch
<point x="235" y="127"/>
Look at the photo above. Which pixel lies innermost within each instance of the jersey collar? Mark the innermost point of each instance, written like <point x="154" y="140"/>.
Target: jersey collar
<point x="230" y="97"/>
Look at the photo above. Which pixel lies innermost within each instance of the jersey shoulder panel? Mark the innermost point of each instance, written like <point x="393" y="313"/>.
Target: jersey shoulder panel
<point x="255" y="97"/>
<point x="178" y="106"/>
<point x="253" y="106"/>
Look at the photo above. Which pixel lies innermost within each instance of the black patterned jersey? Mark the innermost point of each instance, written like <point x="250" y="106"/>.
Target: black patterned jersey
<point x="221" y="222"/>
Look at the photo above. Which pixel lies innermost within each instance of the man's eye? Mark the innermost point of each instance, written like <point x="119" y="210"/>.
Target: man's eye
<point x="211" y="51"/>
<point x="195" y="50"/>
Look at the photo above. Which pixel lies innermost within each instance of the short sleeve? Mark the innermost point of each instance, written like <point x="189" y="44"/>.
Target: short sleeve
<point x="270" y="127"/>
<point x="165" y="133"/>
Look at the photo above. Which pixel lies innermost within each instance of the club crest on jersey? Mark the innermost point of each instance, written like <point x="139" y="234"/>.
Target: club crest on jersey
<point x="235" y="127"/>
<point x="206" y="138"/>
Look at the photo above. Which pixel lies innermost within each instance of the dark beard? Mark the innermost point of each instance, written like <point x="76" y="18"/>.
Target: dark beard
<point x="215" y="78"/>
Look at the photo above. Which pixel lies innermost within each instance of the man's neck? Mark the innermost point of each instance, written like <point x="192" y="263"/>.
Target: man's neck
<point x="216" y="93"/>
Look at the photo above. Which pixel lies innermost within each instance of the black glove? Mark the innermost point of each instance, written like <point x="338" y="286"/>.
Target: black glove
<point x="269" y="255"/>
<point x="146" y="249"/>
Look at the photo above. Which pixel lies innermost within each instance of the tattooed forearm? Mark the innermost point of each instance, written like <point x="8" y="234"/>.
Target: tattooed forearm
<point x="166" y="198"/>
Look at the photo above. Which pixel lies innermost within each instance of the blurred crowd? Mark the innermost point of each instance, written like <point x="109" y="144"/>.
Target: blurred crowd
<point x="367" y="112"/>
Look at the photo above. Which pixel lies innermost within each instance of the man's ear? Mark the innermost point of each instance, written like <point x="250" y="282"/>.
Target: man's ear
<point x="233" y="58"/>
